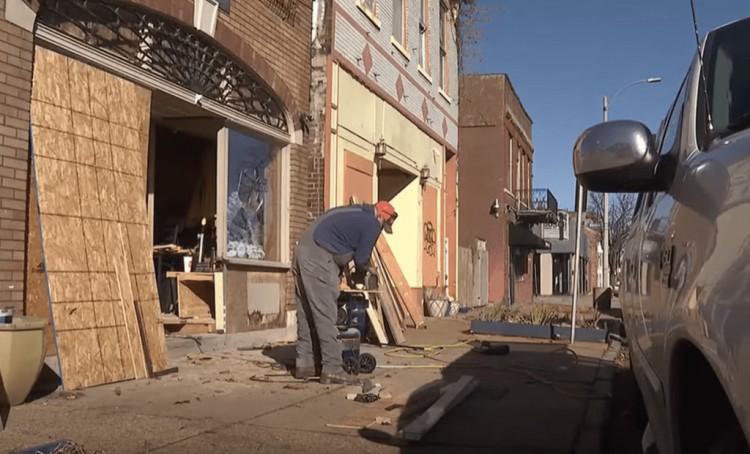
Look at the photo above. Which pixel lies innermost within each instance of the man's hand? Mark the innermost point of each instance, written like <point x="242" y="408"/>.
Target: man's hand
<point x="359" y="276"/>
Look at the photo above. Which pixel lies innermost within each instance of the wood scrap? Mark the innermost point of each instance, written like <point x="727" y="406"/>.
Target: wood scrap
<point x="453" y="395"/>
<point x="391" y="318"/>
<point x="414" y="308"/>
<point x="375" y="323"/>
<point x="386" y="284"/>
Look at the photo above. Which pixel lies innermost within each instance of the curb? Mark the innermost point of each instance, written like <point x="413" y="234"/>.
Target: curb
<point x="589" y="438"/>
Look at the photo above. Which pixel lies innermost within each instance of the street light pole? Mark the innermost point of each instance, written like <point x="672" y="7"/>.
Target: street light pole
<point x="605" y="227"/>
<point x="605" y="208"/>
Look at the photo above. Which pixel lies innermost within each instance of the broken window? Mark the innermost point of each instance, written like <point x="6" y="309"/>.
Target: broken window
<point x="252" y="190"/>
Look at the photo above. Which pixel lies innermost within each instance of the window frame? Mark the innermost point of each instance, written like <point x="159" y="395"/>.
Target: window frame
<point x="423" y="63"/>
<point x="401" y="28"/>
<point x="509" y="186"/>
<point x="282" y="200"/>
<point x="443" y="47"/>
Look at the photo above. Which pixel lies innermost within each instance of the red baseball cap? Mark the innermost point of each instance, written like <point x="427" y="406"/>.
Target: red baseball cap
<point x="386" y="211"/>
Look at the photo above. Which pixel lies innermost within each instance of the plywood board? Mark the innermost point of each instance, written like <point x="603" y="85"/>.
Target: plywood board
<point x="37" y="301"/>
<point x="89" y="167"/>
<point x="413" y="306"/>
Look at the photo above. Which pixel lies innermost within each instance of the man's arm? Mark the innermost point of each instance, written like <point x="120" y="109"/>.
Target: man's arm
<point x="366" y="245"/>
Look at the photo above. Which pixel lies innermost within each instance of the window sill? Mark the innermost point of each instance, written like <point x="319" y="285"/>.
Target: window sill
<point x="424" y="74"/>
<point x="400" y="48"/>
<point x="445" y="95"/>
<point x="269" y="264"/>
<point x="370" y="15"/>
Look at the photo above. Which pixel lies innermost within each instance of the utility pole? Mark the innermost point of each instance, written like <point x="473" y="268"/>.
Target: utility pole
<point x="605" y="208"/>
<point x="605" y="222"/>
<point x="580" y="199"/>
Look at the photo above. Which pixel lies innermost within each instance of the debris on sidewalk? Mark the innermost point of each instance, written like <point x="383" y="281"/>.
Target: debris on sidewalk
<point x="378" y="421"/>
<point x="492" y="348"/>
<point x="371" y="392"/>
<point x="70" y="395"/>
<point x="56" y="447"/>
<point x="197" y="358"/>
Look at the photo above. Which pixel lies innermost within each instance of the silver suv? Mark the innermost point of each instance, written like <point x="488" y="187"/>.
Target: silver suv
<point x="685" y="288"/>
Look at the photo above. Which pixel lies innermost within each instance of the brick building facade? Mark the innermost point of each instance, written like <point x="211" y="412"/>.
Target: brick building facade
<point x="495" y="128"/>
<point x="385" y="89"/>
<point x="265" y="43"/>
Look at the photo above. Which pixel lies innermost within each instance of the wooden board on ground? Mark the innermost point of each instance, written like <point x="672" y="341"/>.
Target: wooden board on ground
<point x="90" y="131"/>
<point x="376" y="322"/>
<point x="453" y="395"/>
<point x="414" y="308"/>
<point x="387" y="303"/>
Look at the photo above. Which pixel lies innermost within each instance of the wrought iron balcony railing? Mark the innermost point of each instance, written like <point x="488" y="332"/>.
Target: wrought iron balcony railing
<point x="537" y="206"/>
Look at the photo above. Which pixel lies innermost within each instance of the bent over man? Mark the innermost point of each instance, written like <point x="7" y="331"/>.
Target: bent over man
<point x="336" y="238"/>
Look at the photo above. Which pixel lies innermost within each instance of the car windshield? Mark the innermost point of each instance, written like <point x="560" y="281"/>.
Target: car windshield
<point x="728" y="78"/>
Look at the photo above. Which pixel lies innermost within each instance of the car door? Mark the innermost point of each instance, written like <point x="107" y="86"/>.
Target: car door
<point x="655" y="257"/>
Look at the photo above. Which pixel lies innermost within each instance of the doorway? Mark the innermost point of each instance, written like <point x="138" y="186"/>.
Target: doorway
<point x="181" y="196"/>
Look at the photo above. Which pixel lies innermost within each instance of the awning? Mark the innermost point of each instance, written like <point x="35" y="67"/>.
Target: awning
<point x="521" y="237"/>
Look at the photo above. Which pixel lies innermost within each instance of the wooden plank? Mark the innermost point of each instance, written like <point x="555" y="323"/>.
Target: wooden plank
<point x="453" y="395"/>
<point x="219" y="303"/>
<point x="190" y="276"/>
<point x="375" y="321"/>
<point x="414" y="308"/>
<point x="385" y="282"/>
<point x="388" y="305"/>
<point x="135" y="350"/>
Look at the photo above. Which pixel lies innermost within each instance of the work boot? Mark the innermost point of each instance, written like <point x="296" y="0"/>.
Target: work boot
<point x="339" y="378"/>
<point x="305" y="373"/>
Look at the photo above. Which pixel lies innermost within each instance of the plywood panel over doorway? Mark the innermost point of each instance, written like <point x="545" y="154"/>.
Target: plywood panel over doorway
<point x="358" y="174"/>
<point x="90" y="133"/>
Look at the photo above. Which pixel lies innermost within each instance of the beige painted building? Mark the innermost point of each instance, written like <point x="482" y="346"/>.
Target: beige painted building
<point x="390" y="124"/>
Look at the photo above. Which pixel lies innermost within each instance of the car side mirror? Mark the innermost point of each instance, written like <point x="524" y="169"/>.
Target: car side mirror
<point x="617" y="156"/>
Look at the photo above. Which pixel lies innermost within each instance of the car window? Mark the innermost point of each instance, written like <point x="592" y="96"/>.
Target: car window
<point x="671" y="127"/>
<point x="728" y="68"/>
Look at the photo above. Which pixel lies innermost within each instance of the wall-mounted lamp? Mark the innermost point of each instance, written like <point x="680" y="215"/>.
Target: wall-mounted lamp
<point x="380" y="149"/>
<point x="495" y="209"/>
<point x="424" y="175"/>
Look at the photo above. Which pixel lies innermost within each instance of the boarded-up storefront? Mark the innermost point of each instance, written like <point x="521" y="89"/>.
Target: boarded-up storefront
<point x="90" y="132"/>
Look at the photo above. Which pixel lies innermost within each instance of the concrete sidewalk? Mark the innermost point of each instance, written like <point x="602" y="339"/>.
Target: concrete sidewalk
<point x="540" y="398"/>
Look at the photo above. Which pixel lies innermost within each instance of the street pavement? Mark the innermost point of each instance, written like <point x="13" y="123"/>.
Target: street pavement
<point x="542" y="397"/>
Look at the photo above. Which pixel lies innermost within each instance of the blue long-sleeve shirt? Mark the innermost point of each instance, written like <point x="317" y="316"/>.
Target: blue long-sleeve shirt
<point x="349" y="234"/>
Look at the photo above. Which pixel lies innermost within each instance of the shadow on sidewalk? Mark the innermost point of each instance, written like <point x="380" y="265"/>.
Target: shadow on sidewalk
<point x="532" y="400"/>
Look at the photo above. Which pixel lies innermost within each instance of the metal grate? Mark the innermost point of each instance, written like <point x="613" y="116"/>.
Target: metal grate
<point x="287" y="10"/>
<point x="167" y="49"/>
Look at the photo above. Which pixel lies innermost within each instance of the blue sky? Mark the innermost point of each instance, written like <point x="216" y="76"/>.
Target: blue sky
<point x="564" y="56"/>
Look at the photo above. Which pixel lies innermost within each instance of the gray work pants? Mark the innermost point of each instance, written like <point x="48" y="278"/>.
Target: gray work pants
<point x="316" y="279"/>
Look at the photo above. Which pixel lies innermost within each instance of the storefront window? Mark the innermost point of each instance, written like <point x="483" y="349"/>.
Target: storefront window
<point x="252" y="204"/>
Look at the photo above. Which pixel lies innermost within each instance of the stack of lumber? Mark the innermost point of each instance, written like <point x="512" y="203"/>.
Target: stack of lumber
<point x="395" y="307"/>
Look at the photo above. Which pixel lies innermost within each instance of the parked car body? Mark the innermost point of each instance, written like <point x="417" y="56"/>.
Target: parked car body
<point x="685" y="283"/>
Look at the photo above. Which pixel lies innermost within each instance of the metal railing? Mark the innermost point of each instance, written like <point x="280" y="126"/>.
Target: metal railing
<point x="541" y="200"/>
